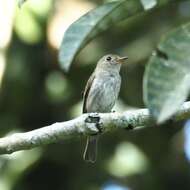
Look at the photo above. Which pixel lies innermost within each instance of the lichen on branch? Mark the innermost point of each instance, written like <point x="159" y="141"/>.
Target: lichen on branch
<point x="86" y="124"/>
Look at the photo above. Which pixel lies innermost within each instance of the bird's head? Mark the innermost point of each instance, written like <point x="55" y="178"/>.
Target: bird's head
<point x="111" y="62"/>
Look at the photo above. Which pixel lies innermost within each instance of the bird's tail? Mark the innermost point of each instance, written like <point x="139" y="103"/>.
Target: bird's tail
<point x="90" y="152"/>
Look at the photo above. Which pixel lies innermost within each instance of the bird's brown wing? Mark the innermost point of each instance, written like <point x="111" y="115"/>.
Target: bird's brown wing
<point x="86" y="92"/>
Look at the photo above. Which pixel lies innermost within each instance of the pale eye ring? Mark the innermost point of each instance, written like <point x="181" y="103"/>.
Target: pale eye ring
<point x="108" y="58"/>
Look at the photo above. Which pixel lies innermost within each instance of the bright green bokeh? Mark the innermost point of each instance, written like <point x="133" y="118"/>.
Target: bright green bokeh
<point x="27" y="20"/>
<point x="128" y="160"/>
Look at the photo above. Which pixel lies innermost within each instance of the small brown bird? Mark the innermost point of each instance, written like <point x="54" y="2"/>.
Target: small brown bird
<point x="100" y="94"/>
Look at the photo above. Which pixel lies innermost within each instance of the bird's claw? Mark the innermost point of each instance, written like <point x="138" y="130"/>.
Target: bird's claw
<point x="94" y="125"/>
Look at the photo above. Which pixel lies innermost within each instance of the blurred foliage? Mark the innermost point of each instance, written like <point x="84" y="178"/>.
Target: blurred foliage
<point x="35" y="92"/>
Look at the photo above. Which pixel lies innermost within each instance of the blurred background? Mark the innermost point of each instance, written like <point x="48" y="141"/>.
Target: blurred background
<point x="35" y="92"/>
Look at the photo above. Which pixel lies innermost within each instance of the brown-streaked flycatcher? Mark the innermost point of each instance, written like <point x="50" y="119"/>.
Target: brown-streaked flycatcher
<point x="100" y="94"/>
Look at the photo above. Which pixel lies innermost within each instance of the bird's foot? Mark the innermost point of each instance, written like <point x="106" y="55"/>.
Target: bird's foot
<point x="93" y="124"/>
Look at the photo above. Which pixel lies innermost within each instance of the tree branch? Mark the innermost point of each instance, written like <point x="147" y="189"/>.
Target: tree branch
<point x="86" y="124"/>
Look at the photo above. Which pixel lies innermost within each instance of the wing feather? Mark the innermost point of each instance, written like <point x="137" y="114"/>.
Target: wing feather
<point x="86" y="92"/>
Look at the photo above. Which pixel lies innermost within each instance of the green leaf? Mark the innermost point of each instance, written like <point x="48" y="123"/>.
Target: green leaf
<point x="93" y="23"/>
<point x="97" y="21"/>
<point x="167" y="76"/>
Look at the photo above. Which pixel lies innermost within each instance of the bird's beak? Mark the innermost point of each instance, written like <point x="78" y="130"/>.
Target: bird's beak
<point x="122" y="60"/>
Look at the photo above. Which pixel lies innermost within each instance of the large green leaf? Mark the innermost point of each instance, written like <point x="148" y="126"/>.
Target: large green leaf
<point x="98" y="20"/>
<point x="167" y="75"/>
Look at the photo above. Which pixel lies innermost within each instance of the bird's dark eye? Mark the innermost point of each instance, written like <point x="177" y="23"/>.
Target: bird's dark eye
<point x="108" y="58"/>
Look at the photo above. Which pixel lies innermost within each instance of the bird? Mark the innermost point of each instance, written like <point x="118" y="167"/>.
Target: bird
<point x="100" y="94"/>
